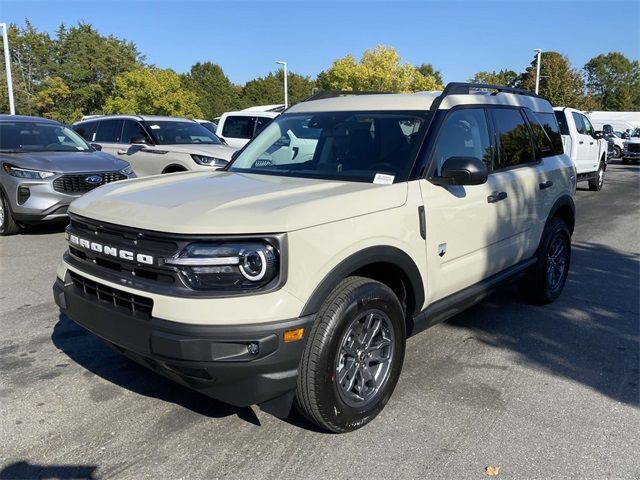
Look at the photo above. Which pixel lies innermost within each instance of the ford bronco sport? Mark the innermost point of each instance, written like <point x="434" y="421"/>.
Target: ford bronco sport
<point x="296" y="276"/>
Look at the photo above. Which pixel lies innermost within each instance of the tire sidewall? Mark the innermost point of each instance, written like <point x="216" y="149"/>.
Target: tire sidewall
<point x="4" y="205"/>
<point x="555" y="229"/>
<point x="371" y="296"/>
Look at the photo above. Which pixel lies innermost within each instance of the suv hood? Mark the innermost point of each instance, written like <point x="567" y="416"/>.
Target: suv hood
<point x="65" y="162"/>
<point x="218" y="151"/>
<point x="233" y="203"/>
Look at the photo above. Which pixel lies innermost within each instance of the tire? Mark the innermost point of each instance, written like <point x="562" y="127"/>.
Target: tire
<point x="596" y="184"/>
<point x="617" y="152"/>
<point x="8" y="225"/>
<point x="541" y="286"/>
<point x="337" y="349"/>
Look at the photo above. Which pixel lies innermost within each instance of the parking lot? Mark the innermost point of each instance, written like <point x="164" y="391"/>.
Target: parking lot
<point x="542" y="392"/>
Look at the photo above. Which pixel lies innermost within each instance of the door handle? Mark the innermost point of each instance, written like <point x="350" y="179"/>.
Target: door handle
<point x="121" y="152"/>
<point x="581" y="142"/>
<point x="545" y="185"/>
<point x="590" y="143"/>
<point x="496" y="197"/>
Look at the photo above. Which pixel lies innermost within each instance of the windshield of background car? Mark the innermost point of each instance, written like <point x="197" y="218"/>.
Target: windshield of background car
<point x="17" y="137"/>
<point x="209" y="126"/>
<point x="353" y="146"/>
<point x="175" y="132"/>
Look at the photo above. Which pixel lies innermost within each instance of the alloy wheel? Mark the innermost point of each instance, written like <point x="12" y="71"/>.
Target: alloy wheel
<point x="556" y="262"/>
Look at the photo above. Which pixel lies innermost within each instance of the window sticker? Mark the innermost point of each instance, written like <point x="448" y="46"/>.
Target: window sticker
<point x="383" y="179"/>
<point x="155" y="127"/>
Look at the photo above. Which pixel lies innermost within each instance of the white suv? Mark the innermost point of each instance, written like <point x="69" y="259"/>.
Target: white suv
<point x="156" y="144"/>
<point x="300" y="275"/>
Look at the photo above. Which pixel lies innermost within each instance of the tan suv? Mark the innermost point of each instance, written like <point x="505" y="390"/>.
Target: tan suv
<point x="298" y="275"/>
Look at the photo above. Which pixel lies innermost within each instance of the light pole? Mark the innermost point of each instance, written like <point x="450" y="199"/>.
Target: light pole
<point x="7" y="64"/>
<point x="286" y="94"/>
<point x="539" y="52"/>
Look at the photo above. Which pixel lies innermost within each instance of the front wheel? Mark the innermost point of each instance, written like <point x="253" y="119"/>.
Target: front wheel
<point x="547" y="279"/>
<point x="8" y="225"/>
<point x="354" y="355"/>
<point x="617" y="152"/>
<point x="596" y="184"/>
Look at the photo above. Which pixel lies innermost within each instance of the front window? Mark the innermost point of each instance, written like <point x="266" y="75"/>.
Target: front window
<point x="18" y="137"/>
<point x="350" y="146"/>
<point x="175" y="132"/>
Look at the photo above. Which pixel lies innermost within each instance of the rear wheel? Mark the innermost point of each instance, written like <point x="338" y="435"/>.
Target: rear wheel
<point x="617" y="151"/>
<point x="546" y="281"/>
<point x="8" y="226"/>
<point x="353" y="358"/>
<point x="596" y="184"/>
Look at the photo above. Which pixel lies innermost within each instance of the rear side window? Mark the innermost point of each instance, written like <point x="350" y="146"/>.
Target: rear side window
<point x="86" y="130"/>
<point x="544" y="147"/>
<point x="515" y="144"/>
<point x="552" y="129"/>
<point x="238" y="127"/>
<point x="131" y="130"/>
<point x="109" y="131"/>
<point x="562" y="123"/>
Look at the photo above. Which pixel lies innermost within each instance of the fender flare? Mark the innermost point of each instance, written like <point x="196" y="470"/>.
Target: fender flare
<point x="368" y="256"/>
<point x="179" y="166"/>
<point x="563" y="202"/>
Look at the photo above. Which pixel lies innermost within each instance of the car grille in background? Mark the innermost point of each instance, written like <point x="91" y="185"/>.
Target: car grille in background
<point x="79" y="184"/>
<point x="112" y="296"/>
<point x="633" y="147"/>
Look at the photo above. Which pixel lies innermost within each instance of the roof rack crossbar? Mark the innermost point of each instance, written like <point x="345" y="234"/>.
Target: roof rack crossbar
<point x="454" y="88"/>
<point x="338" y="93"/>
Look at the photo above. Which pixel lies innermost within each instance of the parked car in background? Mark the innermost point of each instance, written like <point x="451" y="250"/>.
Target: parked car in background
<point x="156" y="144"/>
<point x="237" y="128"/>
<point x="586" y="147"/>
<point x="211" y="126"/>
<point x="44" y="167"/>
<point x="631" y="149"/>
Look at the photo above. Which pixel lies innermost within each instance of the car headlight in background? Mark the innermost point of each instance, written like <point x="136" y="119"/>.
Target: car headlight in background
<point x="227" y="265"/>
<point x="128" y="171"/>
<point x="26" y="173"/>
<point x="209" y="161"/>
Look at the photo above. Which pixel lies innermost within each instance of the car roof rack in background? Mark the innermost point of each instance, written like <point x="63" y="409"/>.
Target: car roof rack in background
<point x="338" y="93"/>
<point x="463" y="88"/>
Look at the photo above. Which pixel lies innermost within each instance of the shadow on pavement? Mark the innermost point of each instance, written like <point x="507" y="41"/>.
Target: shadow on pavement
<point x="45" y="228"/>
<point x="591" y="335"/>
<point x="88" y="351"/>
<point x="24" y="470"/>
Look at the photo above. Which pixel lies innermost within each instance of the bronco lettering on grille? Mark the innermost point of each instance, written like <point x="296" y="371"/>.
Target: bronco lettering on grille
<point x="109" y="250"/>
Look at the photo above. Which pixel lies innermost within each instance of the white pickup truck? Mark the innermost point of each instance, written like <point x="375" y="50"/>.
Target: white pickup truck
<point x="631" y="150"/>
<point x="586" y="147"/>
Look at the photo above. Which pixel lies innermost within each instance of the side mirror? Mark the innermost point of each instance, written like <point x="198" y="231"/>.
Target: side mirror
<point x="462" y="171"/>
<point x="140" y="140"/>
<point x="607" y="129"/>
<point x="598" y="134"/>
<point x="96" y="146"/>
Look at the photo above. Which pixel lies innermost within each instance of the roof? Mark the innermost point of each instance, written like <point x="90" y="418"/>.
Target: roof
<point x="25" y="118"/>
<point x="251" y="113"/>
<point x="148" y="118"/>
<point x="279" y="107"/>
<point x="419" y="101"/>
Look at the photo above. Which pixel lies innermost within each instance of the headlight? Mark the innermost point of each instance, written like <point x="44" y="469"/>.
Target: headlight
<point x="227" y="266"/>
<point x="127" y="171"/>
<point x="209" y="161"/>
<point x="26" y="173"/>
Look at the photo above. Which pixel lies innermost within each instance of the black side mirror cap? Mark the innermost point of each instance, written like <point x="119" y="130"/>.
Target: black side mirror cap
<point x="598" y="134"/>
<point x="607" y="128"/>
<point x="140" y="140"/>
<point x="96" y="146"/>
<point x="462" y="171"/>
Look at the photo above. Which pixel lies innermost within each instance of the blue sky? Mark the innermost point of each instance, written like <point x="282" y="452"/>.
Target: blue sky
<point x="247" y="37"/>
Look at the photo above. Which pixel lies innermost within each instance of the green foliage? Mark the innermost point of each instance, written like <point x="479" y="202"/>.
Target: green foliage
<point x="269" y="90"/>
<point x="154" y="92"/>
<point x="505" y="77"/>
<point x="614" y="81"/>
<point x="427" y="70"/>
<point x="216" y="94"/>
<point x="380" y="69"/>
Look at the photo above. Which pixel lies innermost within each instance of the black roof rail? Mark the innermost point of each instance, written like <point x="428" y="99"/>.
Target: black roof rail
<point x="322" y="94"/>
<point x="464" y="88"/>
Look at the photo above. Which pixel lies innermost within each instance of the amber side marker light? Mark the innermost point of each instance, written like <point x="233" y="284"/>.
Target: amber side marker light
<point x="293" y="335"/>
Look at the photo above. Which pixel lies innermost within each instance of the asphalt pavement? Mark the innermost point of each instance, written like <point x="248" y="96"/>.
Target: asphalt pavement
<point x="541" y="392"/>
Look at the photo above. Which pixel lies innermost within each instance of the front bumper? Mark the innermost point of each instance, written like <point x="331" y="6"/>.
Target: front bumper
<point x="628" y="154"/>
<point x="212" y="359"/>
<point x="43" y="204"/>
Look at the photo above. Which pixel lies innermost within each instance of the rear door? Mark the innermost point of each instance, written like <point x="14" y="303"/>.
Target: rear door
<point x="141" y="161"/>
<point x="108" y="134"/>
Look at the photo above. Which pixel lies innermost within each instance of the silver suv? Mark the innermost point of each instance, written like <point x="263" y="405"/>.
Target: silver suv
<point x="44" y="167"/>
<point x="155" y="144"/>
<point x="300" y="270"/>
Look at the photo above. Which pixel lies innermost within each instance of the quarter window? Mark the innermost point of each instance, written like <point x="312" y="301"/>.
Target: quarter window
<point x="514" y="138"/>
<point x="109" y="131"/>
<point x="464" y="134"/>
<point x="552" y="129"/>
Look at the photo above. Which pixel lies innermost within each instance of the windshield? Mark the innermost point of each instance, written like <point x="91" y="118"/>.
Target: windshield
<point x="209" y="126"/>
<point x="17" y="137"/>
<point x="352" y="146"/>
<point x="636" y="132"/>
<point x="179" y="132"/>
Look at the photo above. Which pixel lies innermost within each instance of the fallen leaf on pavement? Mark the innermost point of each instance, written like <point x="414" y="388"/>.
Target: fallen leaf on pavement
<point x="492" y="470"/>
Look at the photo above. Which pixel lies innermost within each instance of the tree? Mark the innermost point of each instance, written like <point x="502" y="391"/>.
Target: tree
<point x="559" y="82"/>
<point x="380" y="69"/>
<point x="505" y="77"/>
<point x="216" y="94"/>
<point x="51" y="101"/>
<point x="268" y="90"/>
<point x="614" y="81"/>
<point x="427" y="70"/>
<point x="152" y="91"/>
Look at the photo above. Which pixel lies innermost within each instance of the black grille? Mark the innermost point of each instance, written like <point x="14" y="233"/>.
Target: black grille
<point x="79" y="184"/>
<point x="117" y="298"/>
<point x="634" y="147"/>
